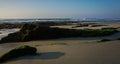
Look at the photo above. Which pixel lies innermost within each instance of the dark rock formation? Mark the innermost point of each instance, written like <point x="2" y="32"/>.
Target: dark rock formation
<point x="18" y="52"/>
<point x="37" y="32"/>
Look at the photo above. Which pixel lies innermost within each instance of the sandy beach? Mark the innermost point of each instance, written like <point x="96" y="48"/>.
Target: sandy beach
<point x="59" y="31"/>
<point x="70" y="50"/>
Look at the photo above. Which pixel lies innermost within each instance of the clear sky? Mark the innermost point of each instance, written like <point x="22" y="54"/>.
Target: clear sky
<point x="59" y="8"/>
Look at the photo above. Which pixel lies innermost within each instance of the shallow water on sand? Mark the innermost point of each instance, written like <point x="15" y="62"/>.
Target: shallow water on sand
<point x="114" y="36"/>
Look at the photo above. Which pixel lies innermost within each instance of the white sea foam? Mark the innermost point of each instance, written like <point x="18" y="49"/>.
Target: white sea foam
<point x="5" y="32"/>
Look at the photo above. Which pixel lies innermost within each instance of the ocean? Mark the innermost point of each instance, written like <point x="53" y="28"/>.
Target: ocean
<point x="62" y="19"/>
<point x="32" y="20"/>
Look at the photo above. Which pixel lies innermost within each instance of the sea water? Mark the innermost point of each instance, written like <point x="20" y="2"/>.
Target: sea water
<point x="5" y="32"/>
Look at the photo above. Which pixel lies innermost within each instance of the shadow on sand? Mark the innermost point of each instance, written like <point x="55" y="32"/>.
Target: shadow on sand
<point x="42" y="56"/>
<point x="46" y="55"/>
<point x="50" y="55"/>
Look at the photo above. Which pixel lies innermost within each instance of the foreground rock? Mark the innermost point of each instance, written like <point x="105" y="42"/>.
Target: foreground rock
<point x="18" y="52"/>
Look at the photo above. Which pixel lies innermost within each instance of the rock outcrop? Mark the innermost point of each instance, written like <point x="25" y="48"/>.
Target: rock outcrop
<point x="18" y="52"/>
<point x="37" y="32"/>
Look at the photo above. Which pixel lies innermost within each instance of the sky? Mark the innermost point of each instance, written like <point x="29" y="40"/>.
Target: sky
<point x="59" y="8"/>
